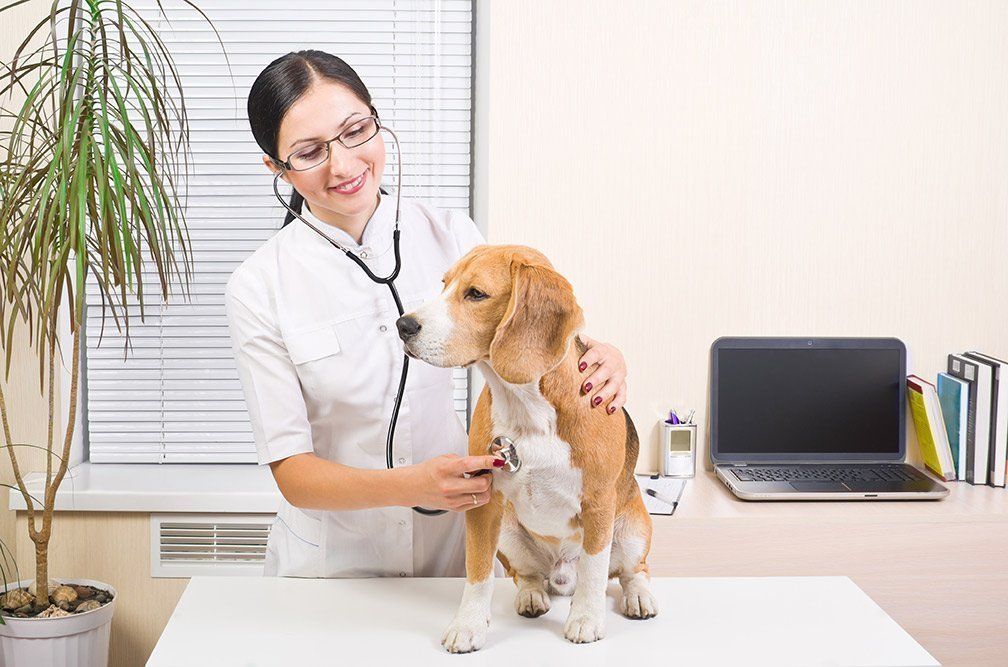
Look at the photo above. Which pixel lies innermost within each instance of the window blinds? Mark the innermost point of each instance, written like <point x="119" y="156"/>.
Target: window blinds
<point x="176" y="397"/>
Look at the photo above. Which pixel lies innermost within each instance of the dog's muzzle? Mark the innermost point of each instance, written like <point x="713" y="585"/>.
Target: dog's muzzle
<point x="503" y="446"/>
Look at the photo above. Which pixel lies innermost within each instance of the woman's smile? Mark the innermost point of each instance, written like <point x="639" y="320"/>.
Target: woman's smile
<point x="351" y="186"/>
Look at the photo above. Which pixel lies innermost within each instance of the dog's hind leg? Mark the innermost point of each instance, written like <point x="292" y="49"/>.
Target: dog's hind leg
<point x="530" y="563"/>
<point x="631" y="543"/>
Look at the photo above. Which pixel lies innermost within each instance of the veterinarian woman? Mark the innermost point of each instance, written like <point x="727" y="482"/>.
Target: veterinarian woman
<point x="318" y="353"/>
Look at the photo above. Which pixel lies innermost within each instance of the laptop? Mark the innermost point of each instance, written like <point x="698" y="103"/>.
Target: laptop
<point x="813" y="419"/>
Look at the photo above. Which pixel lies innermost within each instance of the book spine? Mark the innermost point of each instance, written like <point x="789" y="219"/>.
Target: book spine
<point x="957" y="369"/>
<point x="995" y="468"/>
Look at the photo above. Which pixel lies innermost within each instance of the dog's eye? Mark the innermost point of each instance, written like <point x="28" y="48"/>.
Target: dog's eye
<point x="475" y="294"/>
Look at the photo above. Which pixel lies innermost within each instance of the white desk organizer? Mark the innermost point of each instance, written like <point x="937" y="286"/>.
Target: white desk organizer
<point x="678" y="454"/>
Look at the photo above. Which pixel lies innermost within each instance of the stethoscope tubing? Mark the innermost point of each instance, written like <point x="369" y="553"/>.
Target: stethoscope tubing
<point x="387" y="280"/>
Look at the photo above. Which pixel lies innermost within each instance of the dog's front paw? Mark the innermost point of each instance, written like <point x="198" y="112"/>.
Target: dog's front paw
<point x="582" y="628"/>
<point x="463" y="636"/>
<point x="532" y="602"/>
<point x="639" y="603"/>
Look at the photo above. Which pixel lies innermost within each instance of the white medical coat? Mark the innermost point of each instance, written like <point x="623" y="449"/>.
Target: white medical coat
<point x="319" y="359"/>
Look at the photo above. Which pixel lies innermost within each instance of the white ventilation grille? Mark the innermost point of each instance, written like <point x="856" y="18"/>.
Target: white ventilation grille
<point x="186" y="545"/>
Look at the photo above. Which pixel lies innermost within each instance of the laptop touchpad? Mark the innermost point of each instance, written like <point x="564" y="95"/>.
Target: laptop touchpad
<point x="818" y="487"/>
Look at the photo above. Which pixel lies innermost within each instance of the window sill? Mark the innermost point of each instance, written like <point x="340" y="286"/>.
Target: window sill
<point x="180" y="487"/>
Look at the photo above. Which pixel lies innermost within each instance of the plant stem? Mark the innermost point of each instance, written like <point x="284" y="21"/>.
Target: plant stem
<point x="41" y="538"/>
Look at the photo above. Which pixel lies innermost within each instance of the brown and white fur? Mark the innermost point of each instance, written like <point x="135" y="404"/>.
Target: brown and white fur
<point x="572" y="516"/>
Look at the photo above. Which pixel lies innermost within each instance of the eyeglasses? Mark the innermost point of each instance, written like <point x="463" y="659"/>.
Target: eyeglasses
<point x="360" y="132"/>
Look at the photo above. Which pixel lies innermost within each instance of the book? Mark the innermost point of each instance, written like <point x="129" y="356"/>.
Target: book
<point x="930" y="426"/>
<point x="964" y="369"/>
<point x="999" y="416"/>
<point x="953" y="394"/>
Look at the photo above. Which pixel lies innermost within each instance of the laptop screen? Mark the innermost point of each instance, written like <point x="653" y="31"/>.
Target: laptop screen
<point x="808" y="403"/>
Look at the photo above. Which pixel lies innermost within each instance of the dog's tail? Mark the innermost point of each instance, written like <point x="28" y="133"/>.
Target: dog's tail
<point x="627" y="483"/>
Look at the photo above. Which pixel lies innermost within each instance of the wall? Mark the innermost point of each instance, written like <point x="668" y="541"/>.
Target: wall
<point x="700" y="169"/>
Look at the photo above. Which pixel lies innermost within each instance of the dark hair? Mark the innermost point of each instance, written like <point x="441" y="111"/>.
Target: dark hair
<point x="281" y="84"/>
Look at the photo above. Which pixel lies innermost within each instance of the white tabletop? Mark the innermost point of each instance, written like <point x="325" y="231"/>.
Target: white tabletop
<point x="393" y="621"/>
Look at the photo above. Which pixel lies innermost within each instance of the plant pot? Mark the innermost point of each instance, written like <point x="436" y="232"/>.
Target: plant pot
<point x="77" y="640"/>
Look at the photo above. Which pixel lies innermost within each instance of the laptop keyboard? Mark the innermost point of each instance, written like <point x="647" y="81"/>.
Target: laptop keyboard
<point x="827" y="473"/>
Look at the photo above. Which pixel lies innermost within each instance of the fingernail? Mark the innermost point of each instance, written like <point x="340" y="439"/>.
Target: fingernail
<point x="611" y="409"/>
<point x="498" y="463"/>
<point x="588" y="386"/>
<point x="598" y="399"/>
<point x="582" y="366"/>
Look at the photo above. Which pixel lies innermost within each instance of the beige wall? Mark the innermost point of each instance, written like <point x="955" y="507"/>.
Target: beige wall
<point x="699" y="169"/>
<point x="696" y="170"/>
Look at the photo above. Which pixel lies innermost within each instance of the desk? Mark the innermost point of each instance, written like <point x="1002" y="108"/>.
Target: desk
<point x="936" y="567"/>
<point x="775" y="621"/>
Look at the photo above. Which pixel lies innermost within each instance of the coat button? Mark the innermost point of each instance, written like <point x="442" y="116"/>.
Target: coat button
<point x="402" y="574"/>
<point x="383" y="328"/>
<point x="402" y="460"/>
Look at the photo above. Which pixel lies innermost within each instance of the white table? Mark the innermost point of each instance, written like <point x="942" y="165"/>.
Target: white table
<point x="394" y="621"/>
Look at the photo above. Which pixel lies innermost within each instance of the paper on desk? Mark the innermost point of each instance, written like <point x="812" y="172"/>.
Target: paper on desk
<point x="671" y="487"/>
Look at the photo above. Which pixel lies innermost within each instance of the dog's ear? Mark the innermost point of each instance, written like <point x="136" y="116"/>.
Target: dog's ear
<point x="540" y="320"/>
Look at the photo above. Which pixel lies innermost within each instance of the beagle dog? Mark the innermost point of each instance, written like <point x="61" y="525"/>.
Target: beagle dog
<point x="571" y="516"/>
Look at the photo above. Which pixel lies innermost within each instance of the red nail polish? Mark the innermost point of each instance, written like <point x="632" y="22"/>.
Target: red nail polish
<point x="611" y="409"/>
<point x="498" y="463"/>
<point x="582" y="366"/>
<point x="598" y="399"/>
<point x="588" y="386"/>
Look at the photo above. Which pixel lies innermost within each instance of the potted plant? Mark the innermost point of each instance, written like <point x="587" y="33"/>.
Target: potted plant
<point x="93" y="152"/>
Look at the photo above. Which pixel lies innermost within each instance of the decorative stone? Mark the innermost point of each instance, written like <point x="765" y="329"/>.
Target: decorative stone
<point x="52" y="612"/>
<point x="84" y="592"/>
<point x="63" y="594"/>
<point x="87" y="605"/>
<point x="16" y="598"/>
<point x="53" y="585"/>
<point x="101" y="597"/>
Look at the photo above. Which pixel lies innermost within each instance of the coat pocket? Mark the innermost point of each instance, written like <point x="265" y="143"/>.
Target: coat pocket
<point x="298" y="544"/>
<point x="305" y="346"/>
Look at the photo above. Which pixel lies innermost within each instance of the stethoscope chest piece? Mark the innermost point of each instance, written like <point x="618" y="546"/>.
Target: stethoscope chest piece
<point x="503" y="446"/>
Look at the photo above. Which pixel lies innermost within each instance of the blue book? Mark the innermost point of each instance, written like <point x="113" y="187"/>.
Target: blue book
<point x="977" y="416"/>
<point x="953" y="394"/>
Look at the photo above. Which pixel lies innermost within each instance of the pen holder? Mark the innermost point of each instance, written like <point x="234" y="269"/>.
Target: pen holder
<point x="678" y="455"/>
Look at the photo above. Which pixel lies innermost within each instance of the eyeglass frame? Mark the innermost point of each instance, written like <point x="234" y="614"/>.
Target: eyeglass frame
<point x="287" y="165"/>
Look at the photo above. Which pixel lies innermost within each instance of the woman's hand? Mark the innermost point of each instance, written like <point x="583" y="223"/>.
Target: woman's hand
<point x="439" y="482"/>
<point x="606" y="383"/>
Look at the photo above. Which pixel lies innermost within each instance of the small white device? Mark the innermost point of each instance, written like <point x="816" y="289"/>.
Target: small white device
<point x="678" y="456"/>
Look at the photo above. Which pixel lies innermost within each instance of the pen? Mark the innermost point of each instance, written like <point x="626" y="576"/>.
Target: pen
<point x="662" y="497"/>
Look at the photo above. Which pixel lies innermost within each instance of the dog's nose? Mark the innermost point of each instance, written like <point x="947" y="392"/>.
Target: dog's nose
<point x="408" y="326"/>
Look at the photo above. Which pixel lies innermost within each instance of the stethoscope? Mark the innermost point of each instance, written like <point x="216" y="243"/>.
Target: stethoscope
<point x="501" y="445"/>
<point x="388" y="280"/>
